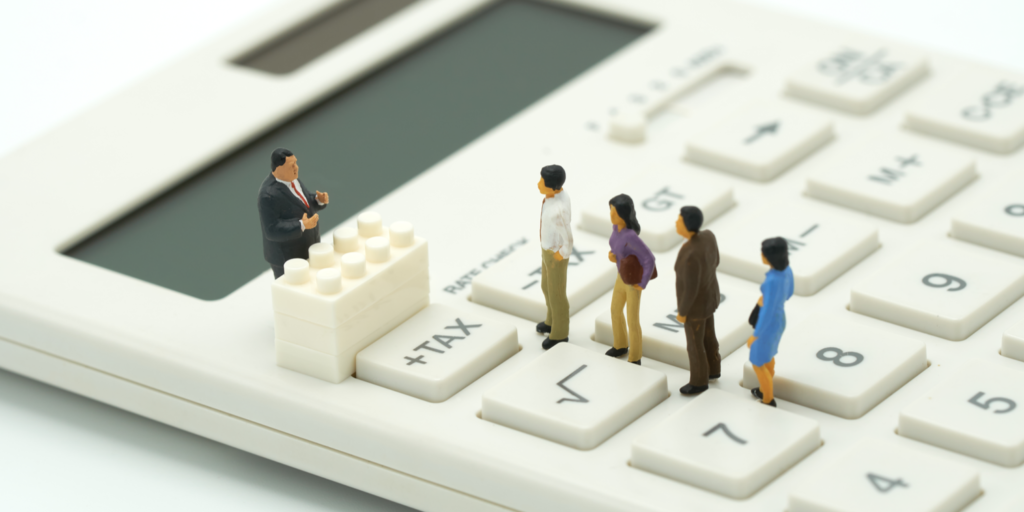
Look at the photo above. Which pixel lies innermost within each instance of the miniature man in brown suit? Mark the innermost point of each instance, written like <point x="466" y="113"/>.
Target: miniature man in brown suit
<point x="697" y="297"/>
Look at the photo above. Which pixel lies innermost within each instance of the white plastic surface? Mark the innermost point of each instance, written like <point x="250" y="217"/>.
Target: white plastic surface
<point x="663" y="335"/>
<point x="822" y="243"/>
<point x="437" y="352"/>
<point x="858" y="76"/>
<point x="941" y="287"/>
<point x="979" y="412"/>
<point x="657" y="196"/>
<point x="574" y="396"/>
<point x="996" y="220"/>
<point x="726" y="444"/>
<point x="842" y="364"/>
<point x="978" y="107"/>
<point x="896" y="176"/>
<point x="216" y="358"/>
<point x="1013" y="342"/>
<point x="761" y="141"/>
<point x="513" y="284"/>
<point x="880" y="475"/>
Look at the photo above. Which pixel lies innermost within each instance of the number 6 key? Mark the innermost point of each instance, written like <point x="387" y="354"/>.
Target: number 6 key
<point x="943" y="287"/>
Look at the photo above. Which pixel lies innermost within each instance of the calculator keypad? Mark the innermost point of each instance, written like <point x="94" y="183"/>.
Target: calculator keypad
<point x="657" y="197"/>
<point x="574" y="396"/>
<point x="858" y="77"/>
<point x="942" y="287"/>
<point x="725" y="443"/>
<point x="822" y="244"/>
<point x="663" y="335"/>
<point x="984" y="109"/>
<point x="437" y="352"/>
<point x="885" y="476"/>
<point x="841" y="365"/>
<point x="513" y="284"/>
<point x="761" y="141"/>
<point x="898" y="176"/>
<point x="1013" y="342"/>
<point x="995" y="219"/>
<point x="978" y="412"/>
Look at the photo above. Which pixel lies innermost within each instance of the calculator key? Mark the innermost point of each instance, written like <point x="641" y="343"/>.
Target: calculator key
<point x="884" y="476"/>
<point x="760" y="142"/>
<point x="663" y="335"/>
<point x="1013" y="342"/>
<point x="658" y="196"/>
<point x="995" y="219"/>
<point x="842" y="365"/>
<point x="574" y="396"/>
<point x="822" y="244"/>
<point x="436" y="353"/>
<point x="979" y="412"/>
<point x="899" y="177"/>
<point x="983" y="109"/>
<point x="858" y="77"/>
<point x="725" y="443"/>
<point x="942" y="287"/>
<point x="513" y="284"/>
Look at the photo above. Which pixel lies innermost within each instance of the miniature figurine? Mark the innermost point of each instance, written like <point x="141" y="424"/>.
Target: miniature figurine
<point x="776" y="289"/>
<point x="556" y="247"/>
<point x="697" y="297"/>
<point x="288" y="212"/>
<point x="636" y="268"/>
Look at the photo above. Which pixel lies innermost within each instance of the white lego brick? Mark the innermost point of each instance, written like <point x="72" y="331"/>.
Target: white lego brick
<point x="335" y="340"/>
<point x="304" y="302"/>
<point x="336" y="368"/>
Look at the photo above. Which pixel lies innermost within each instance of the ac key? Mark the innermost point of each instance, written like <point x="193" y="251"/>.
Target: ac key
<point x="574" y="396"/>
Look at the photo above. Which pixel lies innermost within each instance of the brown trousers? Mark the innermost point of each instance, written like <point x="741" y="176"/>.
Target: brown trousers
<point x="702" y="348"/>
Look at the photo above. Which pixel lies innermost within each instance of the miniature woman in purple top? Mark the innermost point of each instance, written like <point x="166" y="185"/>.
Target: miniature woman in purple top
<point x="636" y="268"/>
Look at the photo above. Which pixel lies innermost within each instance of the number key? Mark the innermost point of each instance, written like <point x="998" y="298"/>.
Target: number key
<point x="1013" y="342"/>
<point x="729" y="444"/>
<point x="978" y="413"/>
<point x="943" y="287"/>
<point x="843" y="364"/>
<point x="879" y="476"/>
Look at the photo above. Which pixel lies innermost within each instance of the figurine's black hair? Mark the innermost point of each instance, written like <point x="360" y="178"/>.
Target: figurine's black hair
<point x="776" y="251"/>
<point x="278" y="157"/>
<point x="693" y="218"/>
<point x="624" y="207"/>
<point x="554" y="176"/>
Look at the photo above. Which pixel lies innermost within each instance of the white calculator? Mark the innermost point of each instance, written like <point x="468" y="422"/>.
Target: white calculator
<point x="402" y="358"/>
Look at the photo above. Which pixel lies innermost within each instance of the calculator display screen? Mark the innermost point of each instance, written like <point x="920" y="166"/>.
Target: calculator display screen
<point x="203" y="238"/>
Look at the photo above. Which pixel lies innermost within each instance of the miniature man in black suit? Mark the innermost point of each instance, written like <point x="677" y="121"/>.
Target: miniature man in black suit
<point x="287" y="212"/>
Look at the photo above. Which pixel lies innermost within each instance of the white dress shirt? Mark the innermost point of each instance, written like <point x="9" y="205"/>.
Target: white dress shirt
<point x="298" y="186"/>
<point x="555" y="222"/>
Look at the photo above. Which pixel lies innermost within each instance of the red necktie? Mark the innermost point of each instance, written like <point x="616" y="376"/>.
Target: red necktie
<point x="300" y="195"/>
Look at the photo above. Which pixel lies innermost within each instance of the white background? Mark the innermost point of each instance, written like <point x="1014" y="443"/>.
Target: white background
<point x="59" y="451"/>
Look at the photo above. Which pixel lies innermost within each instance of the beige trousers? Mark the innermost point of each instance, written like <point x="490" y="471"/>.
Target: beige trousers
<point x="552" y="282"/>
<point x="625" y="295"/>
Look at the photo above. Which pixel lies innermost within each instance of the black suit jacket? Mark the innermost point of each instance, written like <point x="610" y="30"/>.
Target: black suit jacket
<point x="280" y="216"/>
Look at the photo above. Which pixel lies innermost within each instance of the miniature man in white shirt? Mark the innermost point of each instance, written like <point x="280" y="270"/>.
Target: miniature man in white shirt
<point x="556" y="247"/>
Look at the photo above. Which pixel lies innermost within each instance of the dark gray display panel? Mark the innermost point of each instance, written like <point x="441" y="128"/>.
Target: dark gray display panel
<point x="202" y="238"/>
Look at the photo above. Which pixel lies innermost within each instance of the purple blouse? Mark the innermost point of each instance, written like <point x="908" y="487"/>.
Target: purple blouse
<point x="626" y="243"/>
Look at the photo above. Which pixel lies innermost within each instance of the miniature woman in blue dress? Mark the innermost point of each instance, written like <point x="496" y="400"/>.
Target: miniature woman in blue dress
<point x="776" y="289"/>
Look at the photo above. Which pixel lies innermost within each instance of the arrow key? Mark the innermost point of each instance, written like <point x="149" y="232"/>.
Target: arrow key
<point x="760" y="142"/>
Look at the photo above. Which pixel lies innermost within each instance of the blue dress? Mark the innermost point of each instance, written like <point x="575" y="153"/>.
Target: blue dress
<point x="776" y="289"/>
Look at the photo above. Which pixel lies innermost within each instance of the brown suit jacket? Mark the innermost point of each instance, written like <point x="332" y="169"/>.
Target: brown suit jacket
<point x="696" y="283"/>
